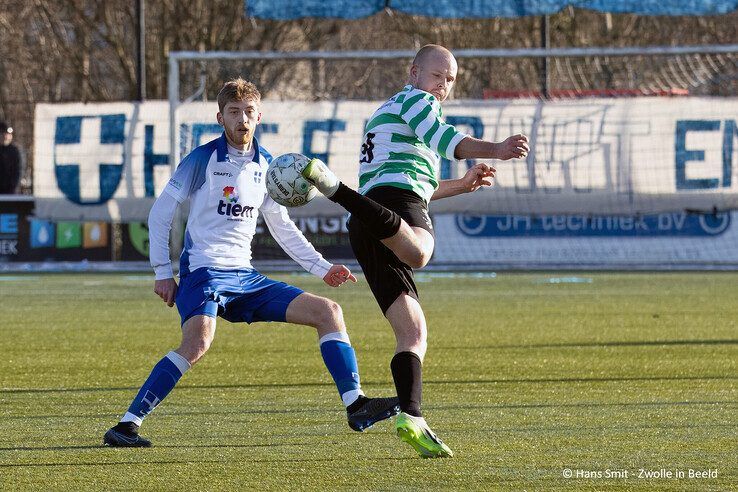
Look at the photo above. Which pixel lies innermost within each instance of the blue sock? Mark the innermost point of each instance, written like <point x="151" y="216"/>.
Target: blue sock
<point x="340" y="359"/>
<point x="160" y="382"/>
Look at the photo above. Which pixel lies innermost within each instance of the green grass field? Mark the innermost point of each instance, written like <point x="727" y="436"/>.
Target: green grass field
<point x="523" y="379"/>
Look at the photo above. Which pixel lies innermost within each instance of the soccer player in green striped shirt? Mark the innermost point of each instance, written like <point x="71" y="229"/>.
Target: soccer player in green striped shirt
<point x="390" y="230"/>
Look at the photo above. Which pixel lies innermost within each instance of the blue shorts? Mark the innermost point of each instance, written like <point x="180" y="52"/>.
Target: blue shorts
<point x="235" y="295"/>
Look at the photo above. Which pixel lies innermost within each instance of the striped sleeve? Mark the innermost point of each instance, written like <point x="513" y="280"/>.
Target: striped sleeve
<point x="420" y="114"/>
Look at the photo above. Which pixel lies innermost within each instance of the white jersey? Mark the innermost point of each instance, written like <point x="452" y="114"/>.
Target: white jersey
<point x="227" y="193"/>
<point x="404" y="141"/>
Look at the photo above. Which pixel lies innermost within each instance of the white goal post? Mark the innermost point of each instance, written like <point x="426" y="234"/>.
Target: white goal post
<point x="588" y="154"/>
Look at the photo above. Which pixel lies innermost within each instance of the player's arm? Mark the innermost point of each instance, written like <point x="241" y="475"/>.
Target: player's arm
<point x="480" y="174"/>
<point x="293" y="242"/>
<point x="421" y="114"/>
<point x="160" y="223"/>
<point x="188" y="177"/>
<point x="513" y="147"/>
<point x="476" y="176"/>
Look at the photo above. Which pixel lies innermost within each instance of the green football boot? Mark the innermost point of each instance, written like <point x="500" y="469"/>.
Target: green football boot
<point x="415" y="432"/>
<point x="319" y="175"/>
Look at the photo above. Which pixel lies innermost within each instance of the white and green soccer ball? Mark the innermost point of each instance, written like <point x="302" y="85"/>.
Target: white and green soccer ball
<point x="284" y="182"/>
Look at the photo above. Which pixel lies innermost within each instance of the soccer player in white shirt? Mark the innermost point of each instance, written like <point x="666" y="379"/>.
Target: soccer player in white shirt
<point x="390" y="230"/>
<point x="224" y="180"/>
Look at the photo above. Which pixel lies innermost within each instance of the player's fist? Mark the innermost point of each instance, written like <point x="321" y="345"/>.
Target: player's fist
<point x="477" y="176"/>
<point x="337" y="275"/>
<point x="166" y="289"/>
<point x="515" y="147"/>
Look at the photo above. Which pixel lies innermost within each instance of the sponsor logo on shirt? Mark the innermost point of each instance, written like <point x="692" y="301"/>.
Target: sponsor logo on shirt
<point x="220" y="173"/>
<point x="229" y="206"/>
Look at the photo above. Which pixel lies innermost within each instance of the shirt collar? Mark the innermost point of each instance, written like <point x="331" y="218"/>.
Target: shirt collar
<point x="222" y="149"/>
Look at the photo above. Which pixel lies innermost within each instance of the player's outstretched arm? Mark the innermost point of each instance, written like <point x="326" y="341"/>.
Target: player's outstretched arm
<point x="514" y="147"/>
<point x="291" y="240"/>
<point x="476" y="176"/>
<point x="337" y="275"/>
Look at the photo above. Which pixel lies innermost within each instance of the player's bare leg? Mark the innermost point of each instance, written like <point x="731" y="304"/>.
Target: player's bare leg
<point x="322" y="314"/>
<point x="408" y="322"/>
<point x="198" y="333"/>
<point x="412" y="245"/>
<point x="326" y="317"/>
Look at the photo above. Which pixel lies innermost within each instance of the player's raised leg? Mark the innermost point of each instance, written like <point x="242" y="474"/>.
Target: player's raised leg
<point x="197" y="335"/>
<point x="340" y="359"/>
<point x="408" y="322"/>
<point x="409" y="244"/>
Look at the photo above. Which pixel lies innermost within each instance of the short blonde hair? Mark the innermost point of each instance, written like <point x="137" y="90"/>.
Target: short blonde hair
<point x="237" y="90"/>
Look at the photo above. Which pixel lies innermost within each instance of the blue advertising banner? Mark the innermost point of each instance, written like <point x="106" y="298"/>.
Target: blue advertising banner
<point x="671" y="224"/>
<point x="354" y="9"/>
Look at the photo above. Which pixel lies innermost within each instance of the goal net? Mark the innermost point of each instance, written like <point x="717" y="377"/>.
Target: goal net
<point x="632" y="161"/>
<point x="632" y="150"/>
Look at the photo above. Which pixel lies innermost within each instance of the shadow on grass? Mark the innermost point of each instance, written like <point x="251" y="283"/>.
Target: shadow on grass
<point x="645" y="343"/>
<point x="185" y="387"/>
<point x="325" y="411"/>
<point x="580" y="429"/>
<point x="581" y="405"/>
<point x="338" y="459"/>
<point x="178" y="446"/>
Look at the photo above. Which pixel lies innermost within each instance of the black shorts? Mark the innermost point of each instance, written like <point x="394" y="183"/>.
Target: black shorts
<point x="387" y="276"/>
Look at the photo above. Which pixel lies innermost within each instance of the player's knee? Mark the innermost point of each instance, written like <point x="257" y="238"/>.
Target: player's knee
<point x="417" y="258"/>
<point x="420" y="338"/>
<point x="331" y="314"/>
<point x="194" y="349"/>
<point x="415" y="336"/>
<point x="327" y="314"/>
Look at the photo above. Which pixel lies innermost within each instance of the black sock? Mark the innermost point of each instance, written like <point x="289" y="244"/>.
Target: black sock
<point x="380" y="221"/>
<point x="407" y="371"/>
<point x="357" y="404"/>
<point x="126" y="427"/>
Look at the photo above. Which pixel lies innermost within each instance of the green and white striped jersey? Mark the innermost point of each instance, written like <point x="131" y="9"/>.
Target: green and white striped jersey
<point x="404" y="141"/>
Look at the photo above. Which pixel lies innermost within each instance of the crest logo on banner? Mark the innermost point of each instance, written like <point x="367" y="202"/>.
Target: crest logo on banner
<point x="89" y="154"/>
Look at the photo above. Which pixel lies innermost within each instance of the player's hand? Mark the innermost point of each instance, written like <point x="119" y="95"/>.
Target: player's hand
<point x="337" y="275"/>
<point x="477" y="176"/>
<point x="515" y="147"/>
<point x="166" y="289"/>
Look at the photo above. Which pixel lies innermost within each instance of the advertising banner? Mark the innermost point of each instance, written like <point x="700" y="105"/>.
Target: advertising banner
<point x="656" y="241"/>
<point x="593" y="156"/>
<point x="26" y="238"/>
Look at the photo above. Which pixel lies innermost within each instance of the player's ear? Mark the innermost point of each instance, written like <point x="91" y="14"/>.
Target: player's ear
<point x="413" y="73"/>
<point x="258" y="118"/>
<point x="219" y="117"/>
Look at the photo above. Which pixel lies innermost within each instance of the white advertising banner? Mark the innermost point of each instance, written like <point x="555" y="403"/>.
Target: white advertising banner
<point x="594" y="156"/>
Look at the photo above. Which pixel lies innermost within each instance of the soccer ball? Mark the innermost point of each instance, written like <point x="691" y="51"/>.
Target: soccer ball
<point x="285" y="184"/>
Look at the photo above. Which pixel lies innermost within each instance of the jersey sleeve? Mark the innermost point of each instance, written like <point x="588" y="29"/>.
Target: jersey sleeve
<point x="189" y="175"/>
<point x="160" y="223"/>
<point x="291" y="239"/>
<point x="421" y="112"/>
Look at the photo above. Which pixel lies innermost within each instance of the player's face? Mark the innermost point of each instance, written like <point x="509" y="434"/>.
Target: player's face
<point x="239" y="120"/>
<point x="436" y="75"/>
